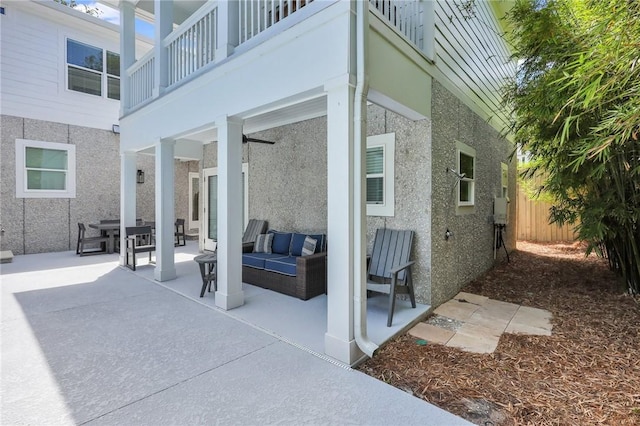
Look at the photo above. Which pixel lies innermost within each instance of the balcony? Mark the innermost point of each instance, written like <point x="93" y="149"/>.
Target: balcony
<point x="218" y="31"/>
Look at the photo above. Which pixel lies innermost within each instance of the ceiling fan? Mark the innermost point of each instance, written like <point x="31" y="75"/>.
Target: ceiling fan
<point x="246" y="139"/>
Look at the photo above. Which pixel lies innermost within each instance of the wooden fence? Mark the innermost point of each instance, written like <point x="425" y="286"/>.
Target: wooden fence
<point x="533" y="221"/>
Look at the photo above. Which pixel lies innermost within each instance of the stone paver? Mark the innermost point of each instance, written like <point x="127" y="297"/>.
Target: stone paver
<point x="475" y="338"/>
<point x="457" y="310"/>
<point x="476" y="299"/>
<point x="431" y="333"/>
<point x="483" y="322"/>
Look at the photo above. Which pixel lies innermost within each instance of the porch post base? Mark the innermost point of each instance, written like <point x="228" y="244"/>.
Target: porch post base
<point x="164" y="274"/>
<point x="229" y="301"/>
<point x="347" y="352"/>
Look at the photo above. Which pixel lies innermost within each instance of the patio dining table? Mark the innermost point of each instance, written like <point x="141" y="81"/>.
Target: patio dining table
<point x="110" y="229"/>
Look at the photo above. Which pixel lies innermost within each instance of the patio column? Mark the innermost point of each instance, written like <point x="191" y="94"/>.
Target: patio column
<point x="339" y="339"/>
<point x="128" y="188"/>
<point x="229" y="294"/>
<point x="163" y="10"/>
<point x="127" y="50"/>
<point x="165" y="205"/>
<point x="228" y="21"/>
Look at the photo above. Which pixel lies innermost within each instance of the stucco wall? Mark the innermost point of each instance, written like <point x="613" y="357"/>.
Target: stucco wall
<point x="35" y="225"/>
<point x="412" y="190"/>
<point x="469" y="252"/>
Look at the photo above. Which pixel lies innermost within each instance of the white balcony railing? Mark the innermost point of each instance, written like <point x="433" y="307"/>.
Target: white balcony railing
<point x="258" y="15"/>
<point x="206" y="36"/>
<point x="192" y="45"/>
<point x="406" y="16"/>
<point x="141" y="79"/>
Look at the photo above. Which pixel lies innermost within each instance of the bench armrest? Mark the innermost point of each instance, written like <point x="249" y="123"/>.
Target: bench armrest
<point x="399" y="268"/>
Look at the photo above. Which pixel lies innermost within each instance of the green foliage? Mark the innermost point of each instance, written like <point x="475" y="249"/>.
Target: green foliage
<point x="576" y="100"/>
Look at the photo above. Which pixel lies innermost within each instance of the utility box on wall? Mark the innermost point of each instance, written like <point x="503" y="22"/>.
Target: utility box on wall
<point x="501" y="211"/>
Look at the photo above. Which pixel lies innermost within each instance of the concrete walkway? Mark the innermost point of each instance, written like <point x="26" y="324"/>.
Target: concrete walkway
<point x="87" y="342"/>
<point x="475" y="323"/>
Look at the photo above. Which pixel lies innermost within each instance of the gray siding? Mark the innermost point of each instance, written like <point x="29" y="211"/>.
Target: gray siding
<point x="36" y="225"/>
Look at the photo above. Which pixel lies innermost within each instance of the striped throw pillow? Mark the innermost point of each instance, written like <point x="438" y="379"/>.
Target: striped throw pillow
<point x="309" y="246"/>
<point x="263" y="243"/>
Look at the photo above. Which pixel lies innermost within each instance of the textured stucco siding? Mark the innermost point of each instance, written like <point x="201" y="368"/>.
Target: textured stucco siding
<point x="469" y="252"/>
<point x="412" y="187"/>
<point x="36" y="225"/>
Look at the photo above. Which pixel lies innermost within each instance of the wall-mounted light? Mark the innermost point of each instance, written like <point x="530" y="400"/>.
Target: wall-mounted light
<point x="140" y="176"/>
<point x="116" y="129"/>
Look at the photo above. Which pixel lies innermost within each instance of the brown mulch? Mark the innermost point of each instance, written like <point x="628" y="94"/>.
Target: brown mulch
<point x="586" y="372"/>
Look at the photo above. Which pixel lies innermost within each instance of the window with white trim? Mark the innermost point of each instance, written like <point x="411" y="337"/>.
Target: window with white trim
<point x="380" y="175"/>
<point x="466" y="167"/>
<point x="45" y="169"/>
<point x="93" y="70"/>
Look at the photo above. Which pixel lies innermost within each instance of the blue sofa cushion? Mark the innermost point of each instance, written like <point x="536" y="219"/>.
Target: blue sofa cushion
<point x="257" y="260"/>
<point x="297" y="241"/>
<point x="282" y="265"/>
<point x="281" y="242"/>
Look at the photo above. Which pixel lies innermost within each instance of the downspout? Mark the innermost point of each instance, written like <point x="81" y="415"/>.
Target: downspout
<point x="362" y="88"/>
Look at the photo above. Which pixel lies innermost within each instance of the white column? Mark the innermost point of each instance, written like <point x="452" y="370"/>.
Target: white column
<point x="163" y="27"/>
<point x="165" y="205"/>
<point x="228" y="28"/>
<point x="229" y="294"/>
<point x="339" y="339"/>
<point x="127" y="196"/>
<point x="127" y="51"/>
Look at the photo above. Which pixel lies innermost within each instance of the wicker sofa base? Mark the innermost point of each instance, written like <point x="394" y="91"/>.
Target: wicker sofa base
<point x="310" y="279"/>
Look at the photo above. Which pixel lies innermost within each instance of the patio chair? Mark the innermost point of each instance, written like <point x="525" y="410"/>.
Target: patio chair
<point x="254" y="228"/>
<point x="390" y="268"/>
<point x="139" y="240"/>
<point x="83" y="239"/>
<point x="180" y="233"/>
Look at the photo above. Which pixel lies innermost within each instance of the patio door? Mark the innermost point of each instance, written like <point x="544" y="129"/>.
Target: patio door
<point x="211" y="205"/>
<point x="194" y="200"/>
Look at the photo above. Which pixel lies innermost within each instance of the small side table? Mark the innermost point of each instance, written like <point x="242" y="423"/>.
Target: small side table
<point x="207" y="264"/>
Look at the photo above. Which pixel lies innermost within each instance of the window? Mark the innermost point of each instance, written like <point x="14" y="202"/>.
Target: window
<point x="45" y="169"/>
<point x="466" y="167"/>
<point x="505" y="180"/>
<point x="380" y="175"/>
<point x="87" y="73"/>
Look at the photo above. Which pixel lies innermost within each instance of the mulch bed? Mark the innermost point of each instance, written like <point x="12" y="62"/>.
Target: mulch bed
<point x="586" y="372"/>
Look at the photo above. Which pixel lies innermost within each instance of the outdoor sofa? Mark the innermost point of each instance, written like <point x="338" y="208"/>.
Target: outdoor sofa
<point x="277" y="263"/>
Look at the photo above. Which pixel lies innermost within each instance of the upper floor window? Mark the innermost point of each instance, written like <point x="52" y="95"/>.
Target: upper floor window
<point x="380" y="175"/>
<point x="93" y="70"/>
<point x="45" y="169"/>
<point x="467" y="169"/>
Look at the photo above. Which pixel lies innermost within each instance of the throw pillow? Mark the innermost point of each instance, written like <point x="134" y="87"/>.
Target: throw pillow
<point x="263" y="243"/>
<point x="309" y="246"/>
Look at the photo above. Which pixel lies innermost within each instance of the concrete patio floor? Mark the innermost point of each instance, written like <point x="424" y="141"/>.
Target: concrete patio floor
<point x="86" y="341"/>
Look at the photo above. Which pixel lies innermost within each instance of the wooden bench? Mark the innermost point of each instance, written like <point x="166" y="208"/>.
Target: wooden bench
<point x="139" y="240"/>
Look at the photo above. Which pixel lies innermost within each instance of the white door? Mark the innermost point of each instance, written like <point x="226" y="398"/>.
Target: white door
<point x="211" y="205"/>
<point x="194" y="201"/>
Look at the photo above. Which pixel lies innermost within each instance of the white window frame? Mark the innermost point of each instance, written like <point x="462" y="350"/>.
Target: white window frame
<point x="388" y="142"/>
<point x="21" y="170"/>
<point x="104" y="75"/>
<point x="462" y="148"/>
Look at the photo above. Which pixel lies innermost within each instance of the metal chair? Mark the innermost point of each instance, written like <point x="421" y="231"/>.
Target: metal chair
<point x="180" y="233"/>
<point x="390" y="268"/>
<point x="83" y="239"/>
<point x="139" y="240"/>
